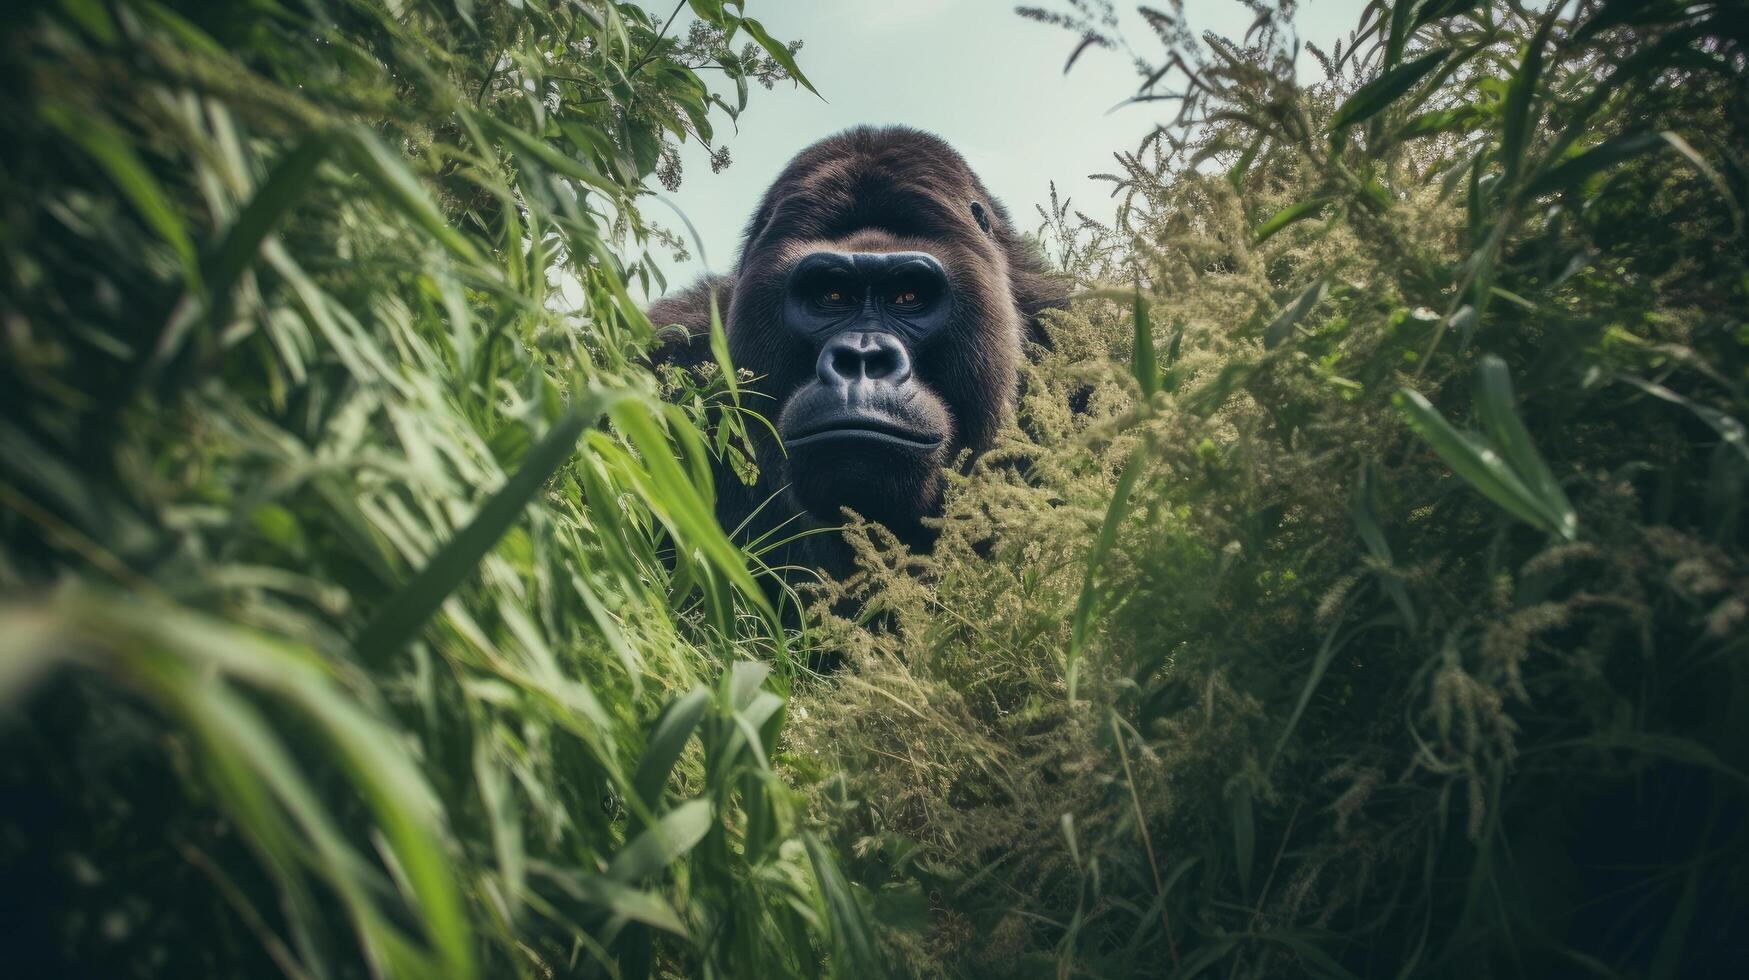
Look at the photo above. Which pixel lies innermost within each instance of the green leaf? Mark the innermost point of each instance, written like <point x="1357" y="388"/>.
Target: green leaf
<point x="1312" y="960"/>
<point x="1287" y="216"/>
<point x="504" y="820"/>
<point x="677" y="832"/>
<point x="1142" y="362"/>
<point x="1236" y="175"/>
<point x="708" y="10"/>
<point x="1314" y="676"/>
<point x="1088" y="600"/>
<point x="189" y="664"/>
<point x="857" y="956"/>
<point x="1676" y="748"/>
<point x="1452" y="120"/>
<point x="1500" y="422"/>
<point x="284" y="186"/>
<point x="1478" y="463"/>
<point x="540" y="151"/>
<point x="744" y="679"/>
<point x="92" y="18"/>
<point x="1399" y="30"/>
<point x="1244" y="833"/>
<point x="1373" y="97"/>
<point x="610" y="630"/>
<point x="616" y="898"/>
<point x="107" y="147"/>
<point x="1361" y="510"/>
<point x="1520" y="97"/>
<point x="408" y="610"/>
<point x="682" y="502"/>
<point x="1600" y="157"/>
<point x="390" y="174"/>
<point x="1293" y="313"/>
<point x="1712" y="176"/>
<point x="1730" y="429"/>
<point x="1432" y="10"/>
<point x="674" y="727"/>
<point x="778" y="52"/>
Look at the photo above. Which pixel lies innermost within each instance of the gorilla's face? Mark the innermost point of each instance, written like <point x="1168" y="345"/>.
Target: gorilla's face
<point x="875" y="304"/>
<point x="882" y="302"/>
<point x="867" y="431"/>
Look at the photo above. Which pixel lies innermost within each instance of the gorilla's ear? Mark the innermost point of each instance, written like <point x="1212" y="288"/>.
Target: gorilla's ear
<point x="690" y="309"/>
<point x="1036" y="287"/>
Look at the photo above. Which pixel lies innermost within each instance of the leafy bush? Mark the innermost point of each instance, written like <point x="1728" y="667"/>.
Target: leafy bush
<point x="297" y="680"/>
<point x="1361" y="589"/>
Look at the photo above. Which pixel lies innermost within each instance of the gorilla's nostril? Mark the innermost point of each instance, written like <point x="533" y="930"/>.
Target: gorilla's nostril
<point x="880" y="363"/>
<point x="847" y="364"/>
<point x="850" y="358"/>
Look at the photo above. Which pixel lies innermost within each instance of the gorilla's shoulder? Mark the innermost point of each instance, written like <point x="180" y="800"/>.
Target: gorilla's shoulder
<point x="689" y="310"/>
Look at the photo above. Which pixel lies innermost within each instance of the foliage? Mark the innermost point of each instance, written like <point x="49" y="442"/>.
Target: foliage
<point x="1361" y="589"/>
<point x="364" y="610"/>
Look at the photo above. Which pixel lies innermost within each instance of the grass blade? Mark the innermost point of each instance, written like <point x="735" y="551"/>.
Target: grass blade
<point x="107" y="147"/>
<point x="1712" y="176"/>
<point x="409" y="609"/>
<point x="674" y="728"/>
<point x="389" y="173"/>
<point x="849" y="926"/>
<point x="1520" y="96"/>
<point x="1287" y="216"/>
<point x="1361" y="511"/>
<point x="1143" y="363"/>
<point x="678" y="831"/>
<point x="1500" y="421"/>
<point x="1088" y="601"/>
<point x="1440" y="121"/>
<point x="1244" y="833"/>
<point x="1290" y="316"/>
<point x="1373" y="97"/>
<point x="1730" y="429"/>
<point x="291" y="176"/>
<point x="1600" y="157"/>
<point x="615" y="898"/>
<point x="1474" y="460"/>
<point x="1320" y="664"/>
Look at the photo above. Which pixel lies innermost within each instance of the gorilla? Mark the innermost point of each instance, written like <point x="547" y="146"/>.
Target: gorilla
<point x="882" y="302"/>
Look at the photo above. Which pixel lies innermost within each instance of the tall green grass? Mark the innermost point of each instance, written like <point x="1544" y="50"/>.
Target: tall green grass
<point x="365" y="612"/>
<point x="1361" y="590"/>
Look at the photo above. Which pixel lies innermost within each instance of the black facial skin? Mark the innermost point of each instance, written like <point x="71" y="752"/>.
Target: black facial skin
<point x="882" y="303"/>
<point x="865" y="427"/>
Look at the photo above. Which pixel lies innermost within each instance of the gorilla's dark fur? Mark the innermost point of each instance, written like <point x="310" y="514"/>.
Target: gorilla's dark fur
<point x="883" y="301"/>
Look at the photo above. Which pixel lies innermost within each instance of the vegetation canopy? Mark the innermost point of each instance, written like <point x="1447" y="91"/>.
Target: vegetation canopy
<point x="1359" y="588"/>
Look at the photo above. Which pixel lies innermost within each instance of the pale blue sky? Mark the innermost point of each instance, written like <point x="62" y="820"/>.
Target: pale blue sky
<point x="973" y="72"/>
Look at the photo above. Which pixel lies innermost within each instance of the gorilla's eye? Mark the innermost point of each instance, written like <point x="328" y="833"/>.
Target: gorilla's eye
<point x="833" y="296"/>
<point x="905" y="297"/>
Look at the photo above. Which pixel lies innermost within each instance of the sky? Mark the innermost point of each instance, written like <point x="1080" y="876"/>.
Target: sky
<point x="971" y="71"/>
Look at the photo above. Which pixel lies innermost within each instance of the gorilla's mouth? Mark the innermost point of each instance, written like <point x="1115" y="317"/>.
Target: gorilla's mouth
<point x="864" y="428"/>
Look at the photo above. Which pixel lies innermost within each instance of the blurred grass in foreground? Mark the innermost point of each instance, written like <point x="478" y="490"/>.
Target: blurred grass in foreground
<point x="366" y="614"/>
